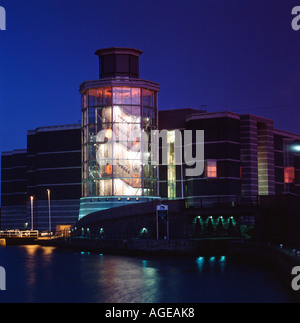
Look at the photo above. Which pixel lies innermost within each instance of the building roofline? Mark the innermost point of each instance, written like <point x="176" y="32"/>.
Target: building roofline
<point x="207" y="115"/>
<point x="119" y="50"/>
<point x="119" y="81"/>
<point x="14" y="152"/>
<point x="286" y="134"/>
<point x="204" y="115"/>
<point x="54" y="128"/>
<point x="181" y="109"/>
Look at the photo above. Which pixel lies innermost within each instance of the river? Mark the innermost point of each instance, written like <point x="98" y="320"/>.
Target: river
<point x="36" y="274"/>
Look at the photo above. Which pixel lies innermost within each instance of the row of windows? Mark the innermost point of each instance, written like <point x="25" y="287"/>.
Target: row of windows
<point x="117" y="114"/>
<point x="119" y="95"/>
<point x="211" y="171"/>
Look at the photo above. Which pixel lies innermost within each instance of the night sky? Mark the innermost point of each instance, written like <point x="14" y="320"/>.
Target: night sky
<point x="237" y="55"/>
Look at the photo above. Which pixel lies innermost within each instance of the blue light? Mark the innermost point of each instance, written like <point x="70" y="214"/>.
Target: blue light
<point x="200" y="262"/>
<point x="296" y="148"/>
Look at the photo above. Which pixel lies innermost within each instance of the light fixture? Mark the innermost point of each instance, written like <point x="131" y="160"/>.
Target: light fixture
<point x="296" y="147"/>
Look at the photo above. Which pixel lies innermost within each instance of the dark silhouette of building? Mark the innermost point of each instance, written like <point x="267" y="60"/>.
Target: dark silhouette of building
<point x="51" y="162"/>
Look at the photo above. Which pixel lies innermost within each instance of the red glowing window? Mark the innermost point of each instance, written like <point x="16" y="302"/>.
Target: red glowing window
<point x="211" y="168"/>
<point x="289" y="175"/>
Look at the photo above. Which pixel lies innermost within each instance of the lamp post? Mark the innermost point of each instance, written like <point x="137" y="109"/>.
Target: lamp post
<point x="49" y="208"/>
<point x="31" y="203"/>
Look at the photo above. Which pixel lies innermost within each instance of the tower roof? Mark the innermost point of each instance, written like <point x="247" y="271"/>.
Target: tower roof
<point x="119" y="62"/>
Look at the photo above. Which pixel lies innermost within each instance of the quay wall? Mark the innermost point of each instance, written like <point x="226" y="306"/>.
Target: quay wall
<point x="178" y="247"/>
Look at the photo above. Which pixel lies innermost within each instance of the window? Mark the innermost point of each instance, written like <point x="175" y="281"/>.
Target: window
<point x="211" y="168"/>
<point x="171" y="165"/>
<point x="126" y="95"/>
<point x="289" y="175"/>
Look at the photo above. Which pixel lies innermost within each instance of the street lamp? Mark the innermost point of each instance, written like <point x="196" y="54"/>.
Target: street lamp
<point x="31" y="203"/>
<point x="49" y="208"/>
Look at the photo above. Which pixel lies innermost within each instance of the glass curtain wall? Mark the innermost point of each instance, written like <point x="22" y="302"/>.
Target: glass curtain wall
<point x="116" y="134"/>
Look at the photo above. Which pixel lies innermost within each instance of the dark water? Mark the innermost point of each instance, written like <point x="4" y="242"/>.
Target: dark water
<point x="45" y="274"/>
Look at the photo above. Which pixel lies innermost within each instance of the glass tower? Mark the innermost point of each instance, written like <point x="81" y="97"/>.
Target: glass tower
<point x="119" y="111"/>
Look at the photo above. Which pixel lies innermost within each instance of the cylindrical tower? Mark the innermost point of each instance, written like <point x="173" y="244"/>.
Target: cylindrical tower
<point x="119" y="111"/>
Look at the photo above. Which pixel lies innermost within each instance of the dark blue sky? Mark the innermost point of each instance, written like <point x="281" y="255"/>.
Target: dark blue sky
<point x="236" y="55"/>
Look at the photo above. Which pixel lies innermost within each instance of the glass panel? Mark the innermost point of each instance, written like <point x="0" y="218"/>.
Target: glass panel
<point x="92" y="118"/>
<point x="100" y="115"/>
<point x="94" y="130"/>
<point x="149" y="117"/>
<point x="148" y="98"/>
<point x="94" y="170"/>
<point x="150" y="188"/>
<point x="104" y="115"/>
<point x="127" y="187"/>
<point x="127" y="168"/>
<point x="92" y="149"/>
<point x="126" y="95"/>
<point x="100" y="187"/>
<point x="100" y="96"/>
<point x="104" y="154"/>
<point x="127" y="114"/>
<point x="150" y="171"/>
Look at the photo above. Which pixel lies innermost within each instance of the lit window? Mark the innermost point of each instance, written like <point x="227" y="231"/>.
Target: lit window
<point x="289" y="175"/>
<point x="211" y="168"/>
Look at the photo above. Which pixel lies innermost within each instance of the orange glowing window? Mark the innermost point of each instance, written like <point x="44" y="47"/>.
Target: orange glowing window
<point x="108" y="169"/>
<point x="211" y="168"/>
<point x="289" y="175"/>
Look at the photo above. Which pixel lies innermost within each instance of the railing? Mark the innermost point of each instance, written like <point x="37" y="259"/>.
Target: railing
<point x="222" y="200"/>
<point x="19" y="234"/>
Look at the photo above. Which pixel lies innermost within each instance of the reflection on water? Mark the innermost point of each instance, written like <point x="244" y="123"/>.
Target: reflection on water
<point x="47" y="274"/>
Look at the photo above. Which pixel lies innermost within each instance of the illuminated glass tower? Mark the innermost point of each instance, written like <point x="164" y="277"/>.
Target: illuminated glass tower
<point x="118" y="113"/>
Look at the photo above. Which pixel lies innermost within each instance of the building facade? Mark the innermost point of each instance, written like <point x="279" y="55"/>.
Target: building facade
<point x="70" y="171"/>
<point x="245" y="157"/>
<point x="41" y="186"/>
<point x="13" y="189"/>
